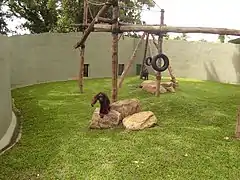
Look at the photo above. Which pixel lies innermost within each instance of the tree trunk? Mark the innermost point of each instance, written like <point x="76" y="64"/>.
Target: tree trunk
<point x="237" y="132"/>
<point x="115" y="51"/>
<point x="82" y="51"/>
<point x="160" y="41"/>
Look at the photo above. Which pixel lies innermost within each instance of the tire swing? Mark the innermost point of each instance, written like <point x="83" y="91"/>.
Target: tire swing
<point x="159" y="57"/>
<point x="148" y="61"/>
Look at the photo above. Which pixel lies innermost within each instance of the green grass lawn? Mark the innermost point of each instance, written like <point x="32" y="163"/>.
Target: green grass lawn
<point x="189" y="142"/>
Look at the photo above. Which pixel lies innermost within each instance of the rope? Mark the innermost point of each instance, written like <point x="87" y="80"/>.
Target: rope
<point x="90" y="11"/>
<point x="156" y="4"/>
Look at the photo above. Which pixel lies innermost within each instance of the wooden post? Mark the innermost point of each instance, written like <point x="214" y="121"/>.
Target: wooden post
<point x="82" y="51"/>
<point x="170" y="69"/>
<point x="91" y="26"/>
<point x="115" y="31"/>
<point x="237" y="131"/>
<point x="130" y="62"/>
<point x="144" y="55"/>
<point x="160" y="41"/>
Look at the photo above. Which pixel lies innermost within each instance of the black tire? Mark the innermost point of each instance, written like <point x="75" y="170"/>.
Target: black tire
<point x="165" y="60"/>
<point x="148" y="61"/>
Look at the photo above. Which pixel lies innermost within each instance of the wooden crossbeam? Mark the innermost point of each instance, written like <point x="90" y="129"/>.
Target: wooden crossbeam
<point x="164" y="29"/>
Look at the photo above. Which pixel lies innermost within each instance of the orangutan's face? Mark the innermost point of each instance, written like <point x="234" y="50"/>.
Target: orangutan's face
<point x="100" y="97"/>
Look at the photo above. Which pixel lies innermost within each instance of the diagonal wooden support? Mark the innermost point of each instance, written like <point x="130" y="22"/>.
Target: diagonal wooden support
<point x="130" y="62"/>
<point x="91" y="26"/>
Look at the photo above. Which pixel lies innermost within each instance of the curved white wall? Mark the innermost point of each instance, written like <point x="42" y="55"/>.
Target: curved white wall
<point x="51" y="57"/>
<point x="7" y="123"/>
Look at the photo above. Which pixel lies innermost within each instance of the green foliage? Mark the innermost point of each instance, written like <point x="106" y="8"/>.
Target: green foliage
<point x="166" y="37"/>
<point x="41" y="16"/>
<point x="58" y="15"/>
<point x="3" y="16"/>
<point x="71" y="12"/>
<point x="221" y="38"/>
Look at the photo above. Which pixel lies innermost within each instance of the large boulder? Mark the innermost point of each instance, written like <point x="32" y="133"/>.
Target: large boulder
<point x="110" y="120"/>
<point x="141" y="120"/>
<point x="126" y="107"/>
<point x="150" y="86"/>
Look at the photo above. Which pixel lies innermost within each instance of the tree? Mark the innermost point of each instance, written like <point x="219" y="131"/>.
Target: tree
<point x="3" y="16"/>
<point x="221" y="38"/>
<point x="130" y="11"/>
<point x="70" y="12"/>
<point x="41" y="15"/>
<point x="57" y="15"/>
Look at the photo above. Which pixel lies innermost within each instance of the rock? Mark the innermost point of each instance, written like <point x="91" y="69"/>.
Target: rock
<point x="126" y="107"/>
<point x="147" y="82"/>
<point x="170" y="89"/>
<point x="110" y="120"/>
<point x="168" y="86"/>
<point x="150" y="86"/>
<point x="141" y="120"/>
<point x="175" y="83"/>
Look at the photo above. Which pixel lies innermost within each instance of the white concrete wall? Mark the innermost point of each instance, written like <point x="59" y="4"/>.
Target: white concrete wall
<point x="7" y="124"/>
